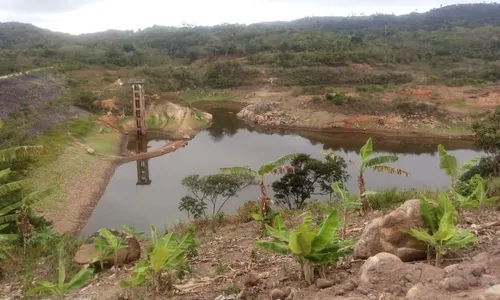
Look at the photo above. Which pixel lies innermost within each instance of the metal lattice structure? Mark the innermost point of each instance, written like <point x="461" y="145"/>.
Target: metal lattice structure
<point x="139" y="106"/>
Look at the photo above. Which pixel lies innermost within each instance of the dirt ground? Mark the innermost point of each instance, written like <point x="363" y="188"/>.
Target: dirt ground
<point x="230" y="264"/>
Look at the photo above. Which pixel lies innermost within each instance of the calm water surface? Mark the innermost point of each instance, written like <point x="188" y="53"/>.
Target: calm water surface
<point x="230" y="142"/>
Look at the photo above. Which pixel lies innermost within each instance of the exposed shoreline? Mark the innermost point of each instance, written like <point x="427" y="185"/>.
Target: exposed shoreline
<point x="342" y="129"/>
<point x="380" y="132"/>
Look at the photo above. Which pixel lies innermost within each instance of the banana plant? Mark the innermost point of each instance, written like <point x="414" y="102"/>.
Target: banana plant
<point x="277" y="166"/>
<point x="107" y="244"/>
<point x="440" y="217"/>
<point x="477" y="197"/>
<point x="348" y="202"/>
<point x="165" y="254"/>
<point x="60" y="288"/>
<point x="377" y="164"/>
<point x="449" y="164"/>
<point x="313" y="248"/>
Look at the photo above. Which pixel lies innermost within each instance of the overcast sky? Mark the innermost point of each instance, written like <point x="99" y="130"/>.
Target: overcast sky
<point x="84" y="16"/>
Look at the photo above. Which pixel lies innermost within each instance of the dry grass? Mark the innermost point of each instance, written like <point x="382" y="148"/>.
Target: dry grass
<point x="78" y="175"/>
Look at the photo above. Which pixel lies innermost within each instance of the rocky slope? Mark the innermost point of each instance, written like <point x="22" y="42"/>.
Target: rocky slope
<point x="175" y="120"/>
<point x="34" y="96"/>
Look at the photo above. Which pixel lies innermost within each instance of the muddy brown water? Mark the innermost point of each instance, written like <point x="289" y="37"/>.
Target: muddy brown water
<point x="230" y="142"/>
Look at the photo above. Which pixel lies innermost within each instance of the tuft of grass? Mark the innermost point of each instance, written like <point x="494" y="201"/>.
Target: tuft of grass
<point x="232" y="289"/>
<point x="390" y="198"/>
<point x="221" y="268"/>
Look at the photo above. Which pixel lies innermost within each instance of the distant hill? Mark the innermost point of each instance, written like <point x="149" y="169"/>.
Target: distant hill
<point x="456" y="41"/>
<point x="464" y="15"/>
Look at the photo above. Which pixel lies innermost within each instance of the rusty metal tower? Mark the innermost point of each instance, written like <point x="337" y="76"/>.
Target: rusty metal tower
<point x="139" y="105"/>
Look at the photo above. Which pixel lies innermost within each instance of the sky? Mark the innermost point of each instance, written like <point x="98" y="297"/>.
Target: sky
<point x="86" y="16"/>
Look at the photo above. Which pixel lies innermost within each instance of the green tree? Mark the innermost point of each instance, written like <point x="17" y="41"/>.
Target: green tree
<point x="215" y="189"/>
<point x="487" y="138"/>
<point x="277" y="166"/>
<point x="310" y="177"/>
<point x="224" y="74"/>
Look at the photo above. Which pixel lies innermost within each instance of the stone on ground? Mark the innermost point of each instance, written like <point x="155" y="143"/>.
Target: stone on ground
<point x="87" y="252"/>
<point x="384" y="234"/>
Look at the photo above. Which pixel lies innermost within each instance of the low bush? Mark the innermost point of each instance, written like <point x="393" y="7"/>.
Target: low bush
<point x="245" y="212"/>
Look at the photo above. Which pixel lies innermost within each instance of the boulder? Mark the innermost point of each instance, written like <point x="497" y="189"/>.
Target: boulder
<point x="384" y="234"/>
<point x="87" y="252"/>
<point x="378" y="267"/>
<point x="493" y="292"/>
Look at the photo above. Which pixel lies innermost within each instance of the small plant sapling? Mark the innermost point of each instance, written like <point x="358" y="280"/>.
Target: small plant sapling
<point x="60" y="288"/>
<point x="440" y="217"/>
<point x="313" y="248"/>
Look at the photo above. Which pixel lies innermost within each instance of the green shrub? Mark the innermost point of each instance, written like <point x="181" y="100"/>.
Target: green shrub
<point x="371" y="88"/>
<point x="245" y="212"/>
<point x="339" y="76"/>
<point x="85" y="99"/>
<point x="224" y="74"/>
<point x="316" y="99"/>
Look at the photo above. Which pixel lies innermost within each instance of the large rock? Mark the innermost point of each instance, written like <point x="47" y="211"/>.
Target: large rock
<point x="386" y="271"/>
<point x="267" y="114"/>
<point x="384" y="234"/>
<point x="87" y="252"/>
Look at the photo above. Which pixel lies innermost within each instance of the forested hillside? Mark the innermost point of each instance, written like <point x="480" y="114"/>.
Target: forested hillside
<point x="456" y="44"/>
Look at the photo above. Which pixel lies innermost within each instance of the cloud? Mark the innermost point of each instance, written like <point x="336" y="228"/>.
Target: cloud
<point x="42" y="6"/>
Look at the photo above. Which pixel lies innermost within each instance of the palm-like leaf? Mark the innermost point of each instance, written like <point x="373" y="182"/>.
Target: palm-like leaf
<point x="278" y="248"/>
<point x="467" y="165"/>
<point x="462" y="238"/>
<point x="11" y="187"/>
<point x="8" y="237"/>
<point x="367" y="150"/>
<point x="4" y="211"/>
<point x="341" y="193"/>
<point x="448" y="163"/>
<point x="391" y="170"/>
<point x="327" y="231"/>
<point x="79" y="280"/>
<point x="375" y="161"/>
<point x="34" y="197"/>
<point x="13" y="153"/>
<point x="239" y="171"/>
<point x="5" y="173"/>
<point x="272" y="166"/>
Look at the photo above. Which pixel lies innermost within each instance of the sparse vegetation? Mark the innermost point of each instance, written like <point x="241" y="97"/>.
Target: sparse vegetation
<point x="312" y="248"/>
<point x="401" y="73"/>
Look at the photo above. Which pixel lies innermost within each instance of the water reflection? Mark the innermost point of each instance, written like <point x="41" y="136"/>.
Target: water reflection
<point x="142" y="164"/>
